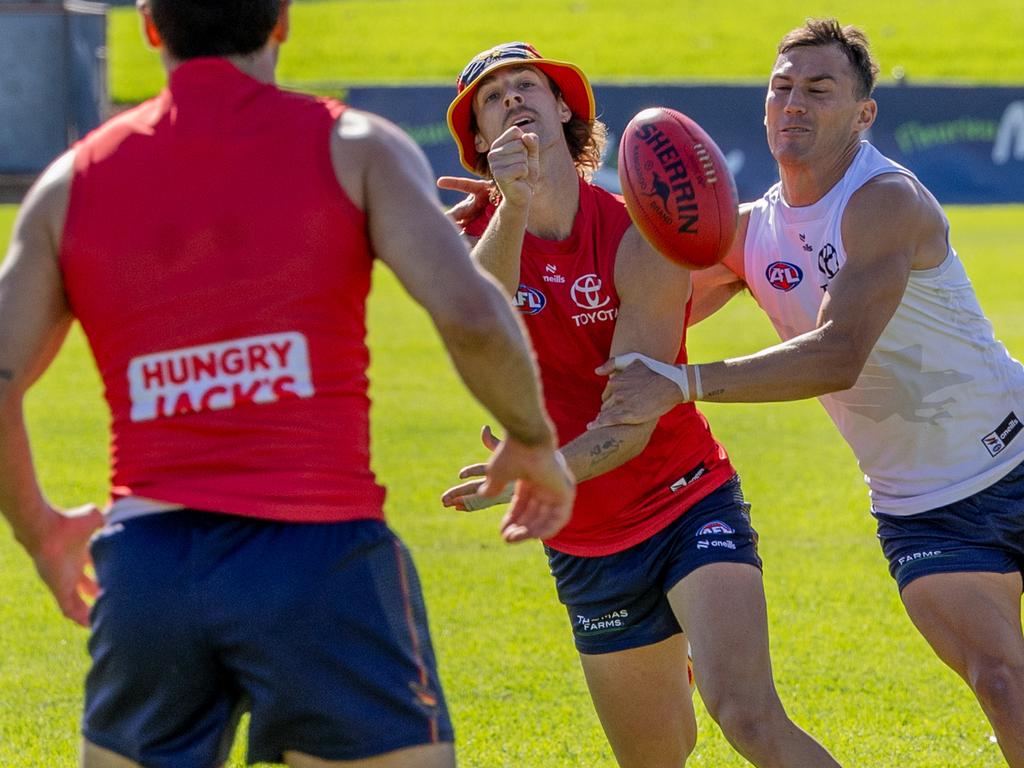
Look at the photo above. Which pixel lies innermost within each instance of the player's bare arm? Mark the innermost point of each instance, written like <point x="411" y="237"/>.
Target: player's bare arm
<point x="387" y="175"/>
<point x="514" y="162"/>
<point x="715" y="286"/>
<point x="34" y="319"/>
<point x="652" y="294"/>
<point x="882" y="250"/>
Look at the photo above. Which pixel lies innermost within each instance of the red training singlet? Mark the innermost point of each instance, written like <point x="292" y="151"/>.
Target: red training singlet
<point x="220" y="274"/>
<point x="567" y="297"/>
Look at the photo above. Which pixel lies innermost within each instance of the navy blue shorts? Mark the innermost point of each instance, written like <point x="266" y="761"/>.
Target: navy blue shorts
<point x="619" y="601"/>
<point x="984" y="532"/>
<point x="318" y="630"/>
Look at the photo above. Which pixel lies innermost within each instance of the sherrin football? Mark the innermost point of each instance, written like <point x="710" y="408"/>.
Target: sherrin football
<point x="677" y="187"/>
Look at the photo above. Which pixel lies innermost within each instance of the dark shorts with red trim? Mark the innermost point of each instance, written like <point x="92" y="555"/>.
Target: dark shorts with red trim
<point x="317" y="630"/>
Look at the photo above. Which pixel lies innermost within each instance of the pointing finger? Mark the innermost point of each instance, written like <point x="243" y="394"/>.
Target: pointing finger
<point x="459" y="184"/>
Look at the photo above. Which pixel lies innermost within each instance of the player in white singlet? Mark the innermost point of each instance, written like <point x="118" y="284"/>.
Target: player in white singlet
<point x="850" y="257"/>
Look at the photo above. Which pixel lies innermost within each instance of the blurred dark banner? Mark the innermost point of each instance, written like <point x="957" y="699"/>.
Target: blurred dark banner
<point x="965" y="143"/>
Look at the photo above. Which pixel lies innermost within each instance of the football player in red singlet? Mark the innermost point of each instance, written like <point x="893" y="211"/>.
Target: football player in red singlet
<point x="215" y="244"/>
<point x="660" y="540"/>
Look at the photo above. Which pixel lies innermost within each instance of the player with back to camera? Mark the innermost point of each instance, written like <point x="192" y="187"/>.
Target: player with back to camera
<point x="216" y="245"/>
<point x="660" y="539"/>
<point x="850" y="257"/>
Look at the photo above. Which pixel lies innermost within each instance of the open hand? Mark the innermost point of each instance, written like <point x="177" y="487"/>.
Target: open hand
<point x="542" y="488"/>
<point x="464" y="496"/>
<point x="63" y="561"/>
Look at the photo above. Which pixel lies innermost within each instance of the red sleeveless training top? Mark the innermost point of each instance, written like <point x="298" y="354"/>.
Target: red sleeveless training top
<point x="220" y="274"/>
<point x="568" y="300"/>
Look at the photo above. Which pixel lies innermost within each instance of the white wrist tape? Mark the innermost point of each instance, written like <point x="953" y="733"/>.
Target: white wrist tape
<point x="673" y="373"/>
<point x="698" y="388"/>
<point x="472" y="502"/>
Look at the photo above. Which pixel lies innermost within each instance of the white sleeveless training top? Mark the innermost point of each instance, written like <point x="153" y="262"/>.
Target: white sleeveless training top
<point x="935" y="415"/>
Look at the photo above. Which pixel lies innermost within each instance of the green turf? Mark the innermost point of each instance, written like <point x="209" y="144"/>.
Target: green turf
<point x="848" y="664"/>
<point x="360" y="41"/>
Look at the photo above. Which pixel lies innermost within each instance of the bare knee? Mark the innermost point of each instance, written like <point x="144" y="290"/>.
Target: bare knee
<point x="998" y="685"/>
<point x="746" y="720"/>
<point x="742" y="724"/>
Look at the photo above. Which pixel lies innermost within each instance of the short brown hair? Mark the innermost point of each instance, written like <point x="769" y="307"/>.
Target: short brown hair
<point x="851" y="40"/>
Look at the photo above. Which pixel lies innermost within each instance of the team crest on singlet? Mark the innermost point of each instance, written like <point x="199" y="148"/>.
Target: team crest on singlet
<point x="783" y="276"/>
<point x="226" y="374"/>
<point x="529" y="300"/>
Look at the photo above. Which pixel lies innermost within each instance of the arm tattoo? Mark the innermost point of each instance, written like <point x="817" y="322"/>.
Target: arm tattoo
<point x="601" y="453"/>
<point x="6" y="373"/>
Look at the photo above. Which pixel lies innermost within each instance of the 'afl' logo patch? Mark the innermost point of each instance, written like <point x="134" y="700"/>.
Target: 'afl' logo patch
<point x="529" y="300"/>
<point x="784" y="276"/>
<point x="715" y="527"/>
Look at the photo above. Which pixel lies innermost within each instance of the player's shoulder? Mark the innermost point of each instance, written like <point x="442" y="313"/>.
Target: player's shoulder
<point x="873" y="204"/>
<point x="134" y="124"/>
<point x="893" y="186"/>
<point x="48" y="197"/>
<point x="894" y="214"/>
<point x="369" y="130"/>
<point x="883" y="182"/>
<point x="367" y="147"/>
<point x="43" y="212"/>
<point x="370" y="142"/>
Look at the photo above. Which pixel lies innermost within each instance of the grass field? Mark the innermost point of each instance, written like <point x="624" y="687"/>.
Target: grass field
<point x="358" y="41"/>
<point x="849" y="666"/>
<point x="848" y="663"/>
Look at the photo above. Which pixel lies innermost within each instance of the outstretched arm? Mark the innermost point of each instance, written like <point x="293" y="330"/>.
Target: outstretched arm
<point x="653" y="294"/>
<point x="387" y="175"/>
<point x="881" y="251"/>
<point x="34" y="320"/>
